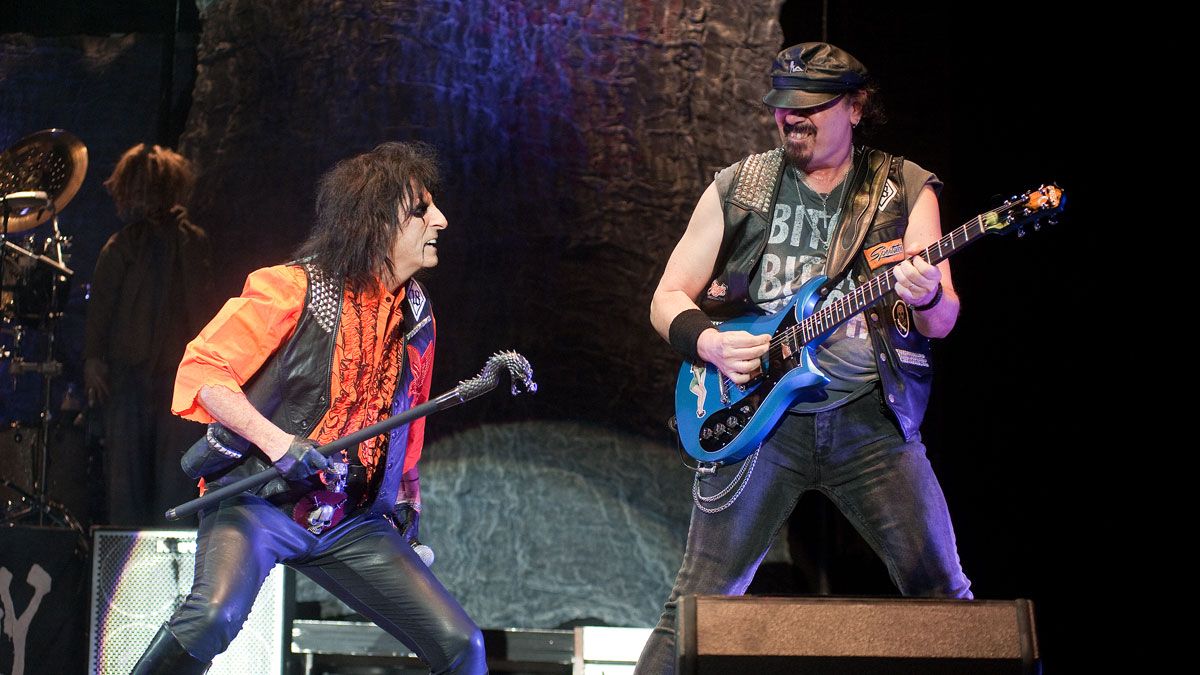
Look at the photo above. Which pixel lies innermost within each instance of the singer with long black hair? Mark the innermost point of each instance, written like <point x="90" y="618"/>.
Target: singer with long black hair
<point x="309" y="352"/>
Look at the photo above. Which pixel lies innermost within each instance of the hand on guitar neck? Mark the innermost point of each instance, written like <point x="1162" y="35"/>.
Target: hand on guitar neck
<point x="737" y="354"/>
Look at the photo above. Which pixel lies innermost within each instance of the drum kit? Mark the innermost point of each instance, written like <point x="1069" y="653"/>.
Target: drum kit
<point x="39" y="176"/>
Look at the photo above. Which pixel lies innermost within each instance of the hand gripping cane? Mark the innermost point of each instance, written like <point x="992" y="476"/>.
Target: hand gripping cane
<point x="519" y="370"/>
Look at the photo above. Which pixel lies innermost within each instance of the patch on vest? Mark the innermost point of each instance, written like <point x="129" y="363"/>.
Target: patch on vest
<point x="900" y="318"/>
<point x="323" y="298"/>
<point x="717" y="290"/>
<point x="912" y="358"/>
<point x="887" y="252"/>
<point x="416" y="299"/>
<point x="756" y="181"/>
<point x="889" y="191"/>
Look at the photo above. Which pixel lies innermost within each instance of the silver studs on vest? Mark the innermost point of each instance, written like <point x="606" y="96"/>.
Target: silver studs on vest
<point x="756" y="180"/>
<point x="323" y="298"/>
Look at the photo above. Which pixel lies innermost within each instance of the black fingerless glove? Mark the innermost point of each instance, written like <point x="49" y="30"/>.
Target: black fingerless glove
<point x="301" y="461"/>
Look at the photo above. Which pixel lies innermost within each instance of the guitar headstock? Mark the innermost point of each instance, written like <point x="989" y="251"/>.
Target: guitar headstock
<point x="1031" y="207"/>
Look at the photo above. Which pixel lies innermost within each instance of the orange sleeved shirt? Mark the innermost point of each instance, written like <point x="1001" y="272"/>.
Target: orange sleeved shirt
<point x="240" y="338"/>
<point x="367" y="356"/>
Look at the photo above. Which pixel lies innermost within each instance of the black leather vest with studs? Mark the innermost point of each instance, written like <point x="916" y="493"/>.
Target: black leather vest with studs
<point x="291" y="389"/>
<point x="748" y="191"/>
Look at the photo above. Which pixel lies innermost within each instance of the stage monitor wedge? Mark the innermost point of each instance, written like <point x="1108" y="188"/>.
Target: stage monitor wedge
<point x="840" y="636"/>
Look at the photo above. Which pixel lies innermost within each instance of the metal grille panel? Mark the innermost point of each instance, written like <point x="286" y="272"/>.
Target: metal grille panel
<point x="140" y="577"/>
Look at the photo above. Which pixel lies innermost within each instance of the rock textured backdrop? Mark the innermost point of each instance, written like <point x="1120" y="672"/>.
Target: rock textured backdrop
<point x="575" y="136"/>
<point x="545" y="524"/>
<point x="575" y="139"/>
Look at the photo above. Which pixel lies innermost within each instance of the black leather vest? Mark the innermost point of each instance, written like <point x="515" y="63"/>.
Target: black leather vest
<point x="291" y="389"/>
<point x="748" y="191"/>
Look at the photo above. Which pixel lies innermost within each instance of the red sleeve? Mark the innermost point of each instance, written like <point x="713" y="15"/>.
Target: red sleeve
<point x="238" y="340"/>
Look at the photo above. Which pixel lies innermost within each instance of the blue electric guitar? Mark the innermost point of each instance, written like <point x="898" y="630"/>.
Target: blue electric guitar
<point x="720" y="422"/>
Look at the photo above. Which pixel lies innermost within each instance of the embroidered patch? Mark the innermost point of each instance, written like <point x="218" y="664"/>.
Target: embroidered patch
<point x="900" y="317"/>
<point x="889" y="190"/>
<point x="412" y="435"/>
<point x="416" y="299"/>
<point x="420" y="366"/>
<point x="912" y="358"/>
<point x="887" y="252"/>
<point x="717" y="290"/>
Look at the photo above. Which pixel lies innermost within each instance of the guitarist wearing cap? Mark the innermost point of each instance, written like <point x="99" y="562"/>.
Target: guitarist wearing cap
<point x="819" y="205"/>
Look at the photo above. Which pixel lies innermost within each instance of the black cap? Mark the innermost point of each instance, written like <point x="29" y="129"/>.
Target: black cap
<point x="812" y="73"/>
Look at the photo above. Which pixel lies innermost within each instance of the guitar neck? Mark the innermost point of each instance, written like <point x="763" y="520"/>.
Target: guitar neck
<point x="834" y="314"/>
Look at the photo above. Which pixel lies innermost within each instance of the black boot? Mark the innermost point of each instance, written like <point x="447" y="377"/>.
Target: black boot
<point x="165" y="656"/>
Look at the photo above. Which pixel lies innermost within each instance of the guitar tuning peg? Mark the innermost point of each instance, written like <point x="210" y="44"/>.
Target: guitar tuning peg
<point x="1037" y="227"/>
<point x="1020" y="232"/>
<point x="1052" y="221"/>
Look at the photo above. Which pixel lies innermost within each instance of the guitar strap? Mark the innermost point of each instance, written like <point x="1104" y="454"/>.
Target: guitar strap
<point x="860" y="205"/>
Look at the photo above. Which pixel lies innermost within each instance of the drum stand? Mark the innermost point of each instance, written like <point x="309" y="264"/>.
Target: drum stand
<point x="35" y="507"/>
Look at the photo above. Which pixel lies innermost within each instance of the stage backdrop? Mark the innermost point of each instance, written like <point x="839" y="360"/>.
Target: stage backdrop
<point x="576" y="136"/>
<point x="575" y="139"/>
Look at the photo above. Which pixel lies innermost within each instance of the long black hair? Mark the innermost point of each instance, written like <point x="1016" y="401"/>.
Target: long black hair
<point x="359" y="203"/>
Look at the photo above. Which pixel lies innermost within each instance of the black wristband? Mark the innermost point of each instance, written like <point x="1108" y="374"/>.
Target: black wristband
<point x="685" y="330"/>
<point x="937" y="297"/>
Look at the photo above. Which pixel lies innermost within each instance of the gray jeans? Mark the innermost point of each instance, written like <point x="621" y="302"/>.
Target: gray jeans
<point x="854" y="455"/>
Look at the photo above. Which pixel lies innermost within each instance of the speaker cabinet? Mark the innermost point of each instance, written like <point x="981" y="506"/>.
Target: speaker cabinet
<point x="764" y="636"/>
<point x="139" y="577"/>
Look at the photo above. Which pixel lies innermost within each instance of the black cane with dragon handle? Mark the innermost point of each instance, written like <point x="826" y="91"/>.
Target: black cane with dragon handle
<point x="517" y="366"/>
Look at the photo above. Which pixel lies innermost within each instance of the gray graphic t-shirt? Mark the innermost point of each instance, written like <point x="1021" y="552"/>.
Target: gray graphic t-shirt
<point x="795" y="253"/>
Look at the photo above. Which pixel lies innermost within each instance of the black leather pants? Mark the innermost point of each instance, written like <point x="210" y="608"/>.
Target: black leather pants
<point x="364" y="562"/>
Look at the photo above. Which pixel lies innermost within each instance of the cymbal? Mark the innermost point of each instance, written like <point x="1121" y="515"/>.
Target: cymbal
<point x="43" y="169"/>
